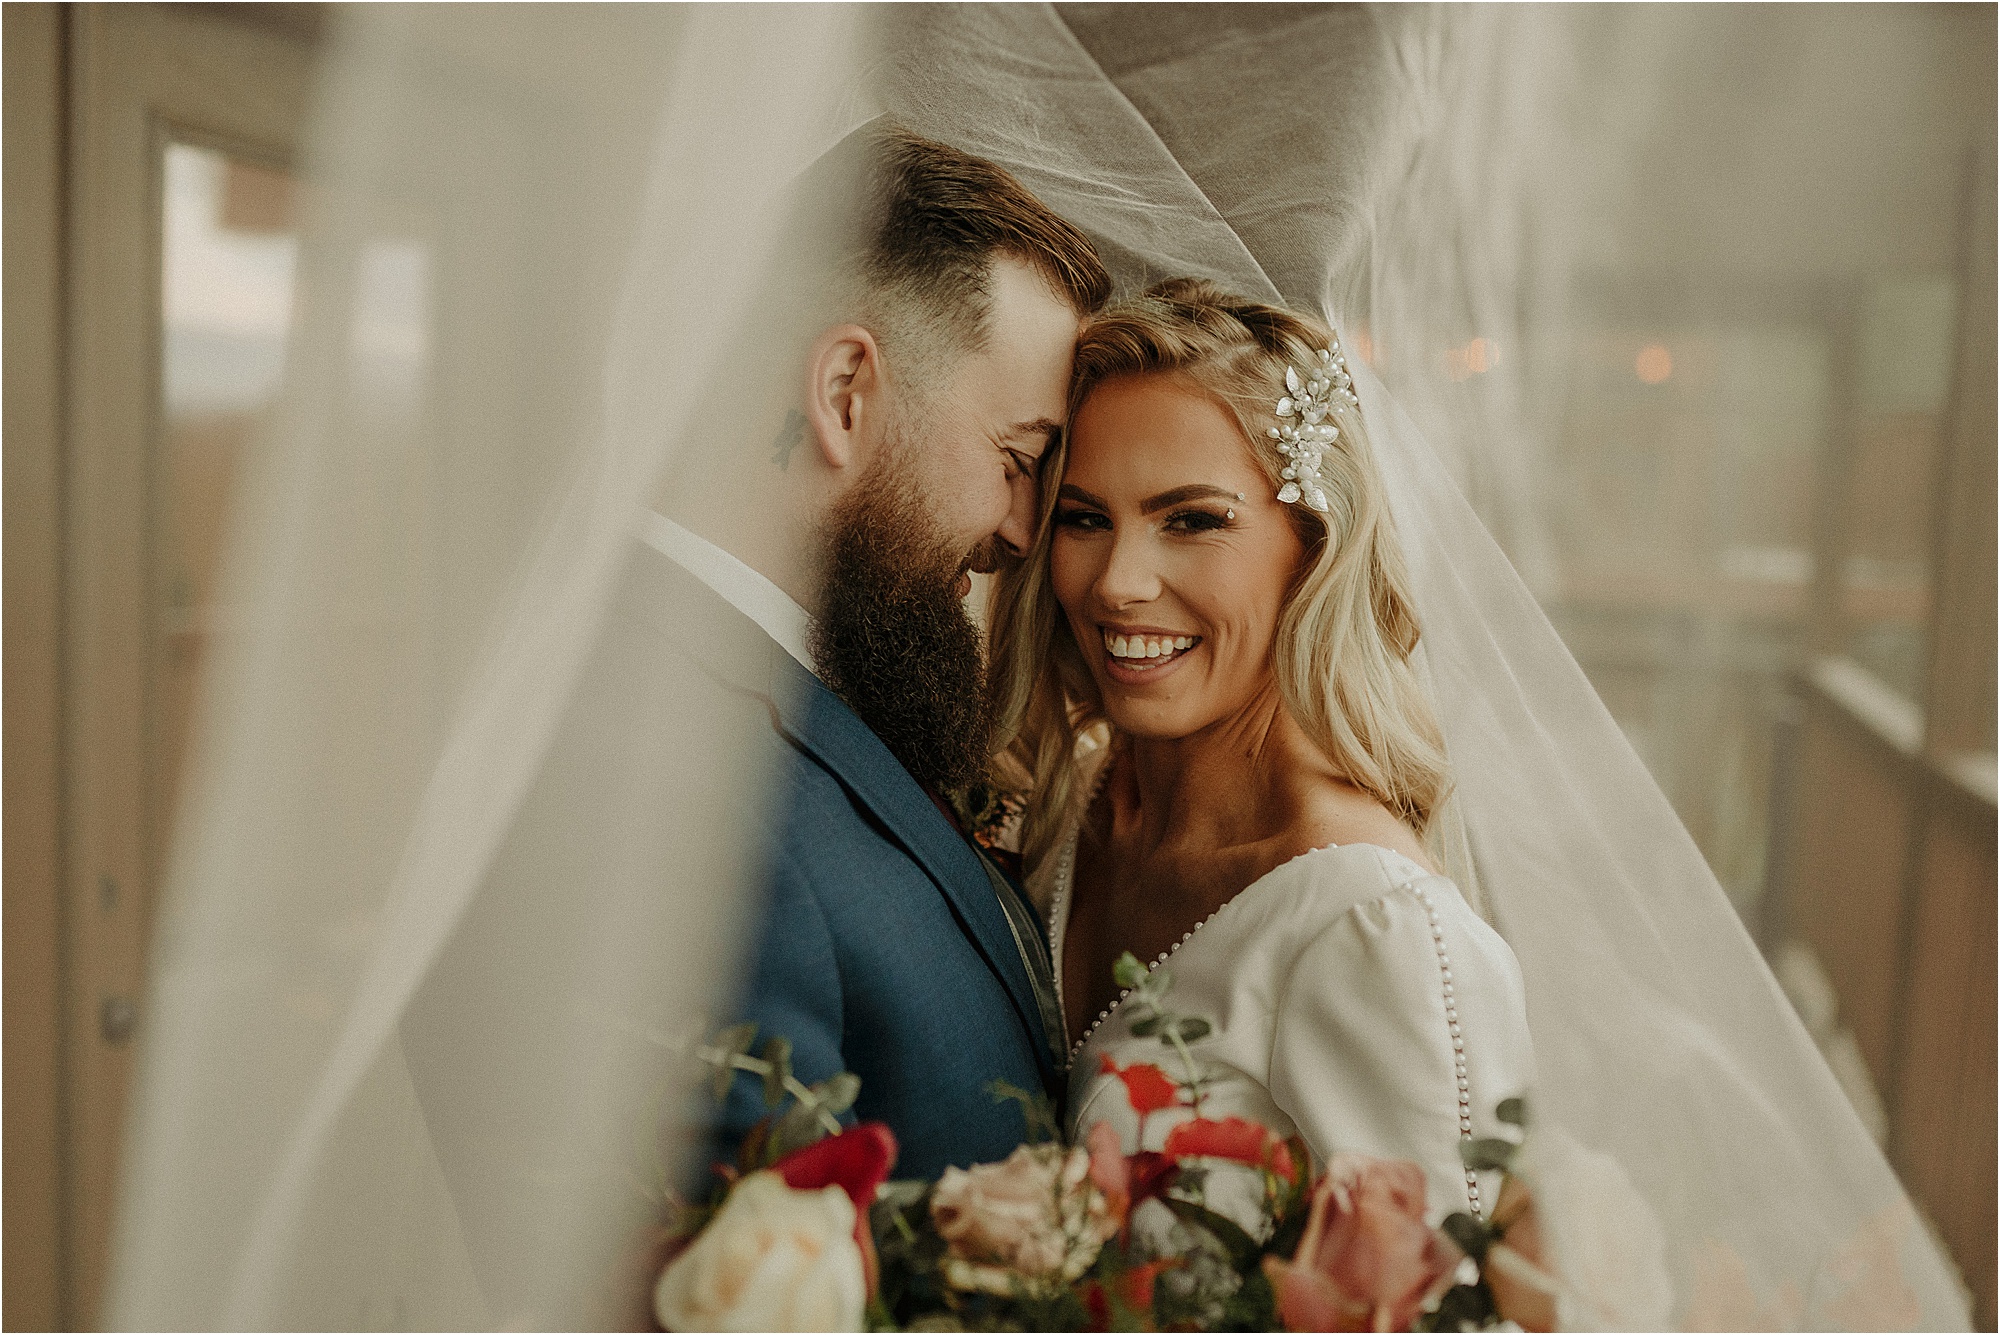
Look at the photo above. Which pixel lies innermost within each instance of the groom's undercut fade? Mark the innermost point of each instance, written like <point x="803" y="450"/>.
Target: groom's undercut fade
<point x="940" y="219"/>
<point x="907" y="231"/>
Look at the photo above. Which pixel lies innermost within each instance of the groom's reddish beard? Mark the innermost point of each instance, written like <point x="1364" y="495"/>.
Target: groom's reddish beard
<point x="892" y="638"/>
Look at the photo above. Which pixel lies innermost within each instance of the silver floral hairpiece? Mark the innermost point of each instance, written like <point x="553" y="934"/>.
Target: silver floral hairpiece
<point x="1305" y="433"/>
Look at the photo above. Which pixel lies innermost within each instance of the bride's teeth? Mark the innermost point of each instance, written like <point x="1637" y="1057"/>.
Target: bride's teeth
<point x="1140" y="647"/>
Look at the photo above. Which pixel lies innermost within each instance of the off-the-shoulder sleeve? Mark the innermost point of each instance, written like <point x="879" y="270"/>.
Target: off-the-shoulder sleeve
<point x="1390" y="1013"/>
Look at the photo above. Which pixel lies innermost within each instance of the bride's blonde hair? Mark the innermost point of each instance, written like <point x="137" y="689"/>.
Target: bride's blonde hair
<point x="1342" y="653"/>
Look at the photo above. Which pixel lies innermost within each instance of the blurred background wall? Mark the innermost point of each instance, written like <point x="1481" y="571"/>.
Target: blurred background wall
<point x="1708" y="334"/>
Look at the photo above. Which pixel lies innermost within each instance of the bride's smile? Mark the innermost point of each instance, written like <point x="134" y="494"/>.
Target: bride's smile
<point x="1171" y="557"/>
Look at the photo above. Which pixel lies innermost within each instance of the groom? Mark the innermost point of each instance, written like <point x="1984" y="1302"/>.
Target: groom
<point x="826" y="531"/>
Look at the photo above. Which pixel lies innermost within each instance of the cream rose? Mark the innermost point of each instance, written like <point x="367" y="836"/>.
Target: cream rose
<point x="771" y="1259"/>
<point x="1033" y="1221"/>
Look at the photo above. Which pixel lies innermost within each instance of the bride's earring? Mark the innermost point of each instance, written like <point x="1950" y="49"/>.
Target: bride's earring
<point x="1229" y="514"/>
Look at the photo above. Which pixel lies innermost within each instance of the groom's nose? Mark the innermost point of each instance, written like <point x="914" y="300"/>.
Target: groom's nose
<point x="1017" y="531"/>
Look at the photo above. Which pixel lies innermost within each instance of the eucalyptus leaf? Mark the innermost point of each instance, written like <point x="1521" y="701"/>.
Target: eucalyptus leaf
<point x="730" y="1043"/>
<point x="1192" y="1028"/>
<point x="1147" y="1027"/>
<point x="1487" y="1152"/>
<point x="1285" y="1239"/>
<point x="1472" y="1235"/>
<point x="901" y="1193"/>
<point x="1036" y="1112"/>
<point x="777" y="1051"/>
<point x="1242" y="1248"/>
<point x="797" y="1127"/>
<point x="1514" y="1112"/>
<point x="1128" y="972"/>
<point x="837" y="1095"/>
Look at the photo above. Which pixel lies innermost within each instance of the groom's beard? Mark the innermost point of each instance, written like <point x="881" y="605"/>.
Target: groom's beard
<point x="893" y="639"/>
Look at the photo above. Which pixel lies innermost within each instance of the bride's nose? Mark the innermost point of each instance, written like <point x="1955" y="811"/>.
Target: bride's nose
<point x="1129" y="575"/>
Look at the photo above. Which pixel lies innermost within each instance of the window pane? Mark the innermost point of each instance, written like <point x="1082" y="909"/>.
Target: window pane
<point x="228" y="253"/>
<point x="1906" y="350"/>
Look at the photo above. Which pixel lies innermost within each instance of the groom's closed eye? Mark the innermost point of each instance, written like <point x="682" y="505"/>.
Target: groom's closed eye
<point x="1026" y="444"/>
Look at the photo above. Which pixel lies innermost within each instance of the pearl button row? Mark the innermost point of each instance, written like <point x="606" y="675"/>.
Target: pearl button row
<point x="1457" y="1039"/>
<point x="1063" y="870"/>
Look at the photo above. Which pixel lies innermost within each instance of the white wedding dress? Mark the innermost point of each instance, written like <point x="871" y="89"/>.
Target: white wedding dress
<point x="1355" y="1000"/>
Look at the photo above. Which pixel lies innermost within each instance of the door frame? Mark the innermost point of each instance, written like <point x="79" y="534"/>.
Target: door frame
<point x="139" y="76"/>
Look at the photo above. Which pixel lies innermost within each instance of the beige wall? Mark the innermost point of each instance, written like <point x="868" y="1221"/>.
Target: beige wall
<point x="30" y="1297"/>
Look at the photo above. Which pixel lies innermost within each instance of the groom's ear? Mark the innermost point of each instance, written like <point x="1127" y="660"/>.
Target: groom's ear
<point x="844" y="400"/>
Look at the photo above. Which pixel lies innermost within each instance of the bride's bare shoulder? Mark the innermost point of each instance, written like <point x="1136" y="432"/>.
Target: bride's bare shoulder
<point x="1331" y="812"/>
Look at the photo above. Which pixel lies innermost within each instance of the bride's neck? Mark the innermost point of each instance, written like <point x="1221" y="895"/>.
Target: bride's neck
<point x="1235" y="782"/>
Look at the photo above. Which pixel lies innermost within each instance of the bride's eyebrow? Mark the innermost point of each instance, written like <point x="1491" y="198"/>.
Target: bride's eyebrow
<point x="1082" y="497"/>
<point x="1194" y="491"/>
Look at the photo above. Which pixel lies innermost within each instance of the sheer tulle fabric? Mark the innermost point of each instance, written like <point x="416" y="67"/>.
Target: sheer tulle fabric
<point x="419" y="596"/>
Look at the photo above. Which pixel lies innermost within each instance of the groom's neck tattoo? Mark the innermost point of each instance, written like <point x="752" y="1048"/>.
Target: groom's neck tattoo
<point x="788" y="438"/>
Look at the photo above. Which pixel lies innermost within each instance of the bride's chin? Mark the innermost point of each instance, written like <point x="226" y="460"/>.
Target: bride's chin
<point x="1140" y="718"/>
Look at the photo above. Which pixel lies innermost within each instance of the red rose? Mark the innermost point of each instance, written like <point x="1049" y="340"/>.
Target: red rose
<point x="1230" y="1138"/>
<point x="1151" y="1174"/>
<point x="1135" y="1286"/>
<point x="1133" y="1290"/>
<point x="1367" y="1260"/>
<point x="1147" y="1087"/>
<point x="857" y="1161"/>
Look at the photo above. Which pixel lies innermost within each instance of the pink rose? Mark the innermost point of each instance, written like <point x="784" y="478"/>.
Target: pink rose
<point x="1027" y="1224"/>
<point x="1110" y="1171"/>
<point x="1367" y="1260"/>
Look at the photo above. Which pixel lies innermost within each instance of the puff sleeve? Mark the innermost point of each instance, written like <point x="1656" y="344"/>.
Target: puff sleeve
<point x="1388" y="1015"/>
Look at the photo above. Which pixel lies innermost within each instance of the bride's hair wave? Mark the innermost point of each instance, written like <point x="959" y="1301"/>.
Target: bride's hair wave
<point x="1345" y="638"/>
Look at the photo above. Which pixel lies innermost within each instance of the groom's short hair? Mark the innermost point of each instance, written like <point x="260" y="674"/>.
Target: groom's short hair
<point x="904" y="232"/>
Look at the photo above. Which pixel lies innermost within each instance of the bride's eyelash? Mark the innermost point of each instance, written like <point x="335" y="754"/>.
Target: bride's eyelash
<point x="1198" y="521"/>
<point x="1080" y="518"/>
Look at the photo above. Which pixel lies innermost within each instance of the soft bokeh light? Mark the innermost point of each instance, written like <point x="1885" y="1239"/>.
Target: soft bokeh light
<point x="1476" y="357"/>
<point x="1653" y="364"/>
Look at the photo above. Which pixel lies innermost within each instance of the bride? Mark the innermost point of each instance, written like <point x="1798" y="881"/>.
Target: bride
<point x="384" y="704"/>
<point x="1218" y="579"/>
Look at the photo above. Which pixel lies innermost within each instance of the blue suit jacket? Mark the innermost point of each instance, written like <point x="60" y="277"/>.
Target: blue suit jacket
<point x="884" y="948"/>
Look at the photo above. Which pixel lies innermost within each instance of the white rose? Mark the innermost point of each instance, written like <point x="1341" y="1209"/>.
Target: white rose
<point x="1610" y="1254"/>
<point x="771" y="1259"/>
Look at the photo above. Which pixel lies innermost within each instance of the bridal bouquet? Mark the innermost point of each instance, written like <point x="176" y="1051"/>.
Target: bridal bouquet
<point x="1224" y="1228"/>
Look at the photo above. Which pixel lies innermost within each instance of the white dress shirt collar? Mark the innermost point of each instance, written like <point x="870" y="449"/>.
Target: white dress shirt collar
<point x="748" y="591"/>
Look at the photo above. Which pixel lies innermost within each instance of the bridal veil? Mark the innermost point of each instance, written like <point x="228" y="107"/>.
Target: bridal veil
<point x="418" y="581"/>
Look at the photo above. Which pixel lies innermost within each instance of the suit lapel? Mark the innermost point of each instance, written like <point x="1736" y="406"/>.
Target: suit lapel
<point x="819" y="724"/>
